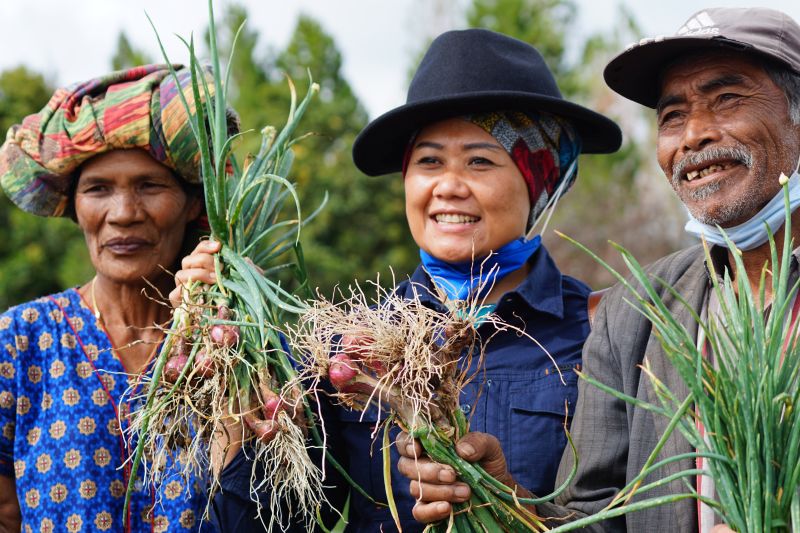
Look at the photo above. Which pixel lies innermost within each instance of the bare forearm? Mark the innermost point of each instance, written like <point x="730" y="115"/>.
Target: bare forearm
<point x="10" y="518"/>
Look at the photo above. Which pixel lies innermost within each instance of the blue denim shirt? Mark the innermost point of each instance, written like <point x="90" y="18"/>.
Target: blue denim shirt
<point x="522" y="402"/>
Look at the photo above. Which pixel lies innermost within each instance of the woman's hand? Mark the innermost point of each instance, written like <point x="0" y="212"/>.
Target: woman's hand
<point x="197" y="266"/>
<point x="435" y="485"/>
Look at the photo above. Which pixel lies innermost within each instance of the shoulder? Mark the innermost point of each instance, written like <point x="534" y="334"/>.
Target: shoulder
<point x="31" y="311"/>
<point x="619" y="318"/>
<point x="678" y="264"/>
<point x="20" y="323"/>
<point x="679" y="269"/>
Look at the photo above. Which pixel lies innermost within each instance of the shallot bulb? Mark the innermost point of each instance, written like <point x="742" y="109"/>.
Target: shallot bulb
<point x="224" y="335"/>
<point x="341" y="371"/>
<point x="174" y="367"/>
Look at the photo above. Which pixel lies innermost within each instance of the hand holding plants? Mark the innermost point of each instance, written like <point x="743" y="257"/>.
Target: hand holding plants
<point x="435" y="485"/>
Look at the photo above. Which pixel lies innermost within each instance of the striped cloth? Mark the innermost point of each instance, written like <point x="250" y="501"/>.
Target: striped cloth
<point x="135" y="108"/>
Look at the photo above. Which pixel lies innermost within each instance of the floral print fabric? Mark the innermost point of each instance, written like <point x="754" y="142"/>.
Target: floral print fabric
<point x="62" y="395"/>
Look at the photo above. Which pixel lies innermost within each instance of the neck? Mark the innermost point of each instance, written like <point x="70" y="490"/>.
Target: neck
<point x="129" y="314"/>
<point x="756" y="259"/>
<point x="507" y="283"/>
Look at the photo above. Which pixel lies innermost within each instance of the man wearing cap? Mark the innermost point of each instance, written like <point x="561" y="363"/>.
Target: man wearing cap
<point x="726" y="90"/>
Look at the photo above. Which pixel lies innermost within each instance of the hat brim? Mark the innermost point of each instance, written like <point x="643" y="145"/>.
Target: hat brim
<point x="636" y="72"/>
<point x="380" y="147"/>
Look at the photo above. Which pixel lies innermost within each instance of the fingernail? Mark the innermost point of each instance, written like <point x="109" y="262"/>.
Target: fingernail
<point x="465" y="449"/>
<point x="410" y="450"/>
<point x="461" y="491"/>
<point x="213" y="276"/>
<point x="442" y="507"/>
<point x="446" y="475"/>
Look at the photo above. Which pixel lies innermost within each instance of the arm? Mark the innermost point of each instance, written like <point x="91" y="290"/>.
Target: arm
<point x="10" y="514"/>
<point x="10" y="517"/>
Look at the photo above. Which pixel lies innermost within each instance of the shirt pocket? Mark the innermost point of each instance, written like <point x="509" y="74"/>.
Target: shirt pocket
<point x="537" y="439"/>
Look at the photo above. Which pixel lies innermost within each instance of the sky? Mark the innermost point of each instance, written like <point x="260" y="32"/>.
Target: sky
<point x="74" y="40"/>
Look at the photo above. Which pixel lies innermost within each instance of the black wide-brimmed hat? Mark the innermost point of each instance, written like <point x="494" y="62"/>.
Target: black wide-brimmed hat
<point x="472" y="71"/>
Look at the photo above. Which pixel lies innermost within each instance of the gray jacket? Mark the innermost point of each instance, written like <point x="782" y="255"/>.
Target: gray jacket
<point x="614" y="438"/>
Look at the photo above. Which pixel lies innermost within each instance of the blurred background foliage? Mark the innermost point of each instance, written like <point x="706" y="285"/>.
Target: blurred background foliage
<point x="362" y="230"/>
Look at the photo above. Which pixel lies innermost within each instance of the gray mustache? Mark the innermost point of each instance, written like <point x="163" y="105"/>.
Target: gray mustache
<point x="736" y="153"/>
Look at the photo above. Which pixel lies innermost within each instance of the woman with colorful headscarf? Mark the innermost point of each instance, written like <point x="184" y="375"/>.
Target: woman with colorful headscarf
<point x="117" y="155"/>
<point x="486" y="146"/>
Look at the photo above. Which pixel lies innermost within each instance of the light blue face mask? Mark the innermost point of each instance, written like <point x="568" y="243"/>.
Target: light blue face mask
<point x="751" y="234"/>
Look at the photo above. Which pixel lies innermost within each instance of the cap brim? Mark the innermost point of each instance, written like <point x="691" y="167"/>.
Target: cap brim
<point x="380" y="147"/>
<point x="636" y="72"/>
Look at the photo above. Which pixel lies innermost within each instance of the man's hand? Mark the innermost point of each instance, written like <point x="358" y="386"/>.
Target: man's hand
<point x="197" y="266"/>
<point x="10" y="518"/>
<point x="435" y="486"/>
<point x="722" y="529"/>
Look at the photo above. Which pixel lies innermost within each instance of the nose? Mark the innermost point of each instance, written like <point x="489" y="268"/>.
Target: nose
<point x="126" y="208"/>
<point x="450" y="184"/>
<point x="700" y="130"/>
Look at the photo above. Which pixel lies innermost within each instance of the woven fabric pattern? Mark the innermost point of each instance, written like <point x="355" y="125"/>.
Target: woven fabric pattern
<point x="136" y="108"/>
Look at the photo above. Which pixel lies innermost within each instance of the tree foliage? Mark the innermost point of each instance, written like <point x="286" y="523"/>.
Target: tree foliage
<point x="362" y="229"/>
<point x="37" y="255"/>
<point x="126" y="55"/>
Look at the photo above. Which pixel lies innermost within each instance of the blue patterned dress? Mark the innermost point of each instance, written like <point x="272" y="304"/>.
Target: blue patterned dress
<point x="62" y="394"/>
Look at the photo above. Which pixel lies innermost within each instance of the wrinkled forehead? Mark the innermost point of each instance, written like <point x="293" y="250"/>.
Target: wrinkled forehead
<point x="713" y="66"/>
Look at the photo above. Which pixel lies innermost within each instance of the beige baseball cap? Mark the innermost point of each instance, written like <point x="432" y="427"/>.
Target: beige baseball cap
<point x="636" y="72"/>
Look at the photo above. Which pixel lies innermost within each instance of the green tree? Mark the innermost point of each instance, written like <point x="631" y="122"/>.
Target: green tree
<point x="621" y="197"/>
<point x="126" y="55"/>
<point x="543" y="23"/>
<point x="362" y="229"/>
<point x="37" y="256"/>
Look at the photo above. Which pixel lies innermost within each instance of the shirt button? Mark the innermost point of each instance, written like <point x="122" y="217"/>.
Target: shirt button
<point x="465" y="408"/>
<point x="488" y="383"/>
<point x="137" y="485"/>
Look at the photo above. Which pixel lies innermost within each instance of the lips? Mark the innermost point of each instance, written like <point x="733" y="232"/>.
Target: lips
<point x="126" y="245"/>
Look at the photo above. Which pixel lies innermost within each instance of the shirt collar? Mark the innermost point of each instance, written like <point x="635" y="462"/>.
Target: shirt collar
<point x="541" y="289"/>
<point x="719" y="260"/>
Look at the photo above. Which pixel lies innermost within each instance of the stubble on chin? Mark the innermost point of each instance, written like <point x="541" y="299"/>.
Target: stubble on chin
<point x="697" y="201"/>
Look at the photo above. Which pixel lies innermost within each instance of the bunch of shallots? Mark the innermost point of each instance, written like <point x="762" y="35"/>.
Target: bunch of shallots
<point x="222" y="368"/>
<point x="409" y="360"/>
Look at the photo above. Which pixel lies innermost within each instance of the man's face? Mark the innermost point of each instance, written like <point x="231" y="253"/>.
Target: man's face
<point x="724" y="136"/>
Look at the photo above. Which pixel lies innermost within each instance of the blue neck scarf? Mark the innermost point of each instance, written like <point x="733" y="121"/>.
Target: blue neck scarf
<point x="753" y="233"/>
<point x="459" y="280"/>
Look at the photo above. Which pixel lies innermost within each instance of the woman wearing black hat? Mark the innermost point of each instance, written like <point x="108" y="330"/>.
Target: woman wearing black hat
<point x="486" y="145"/>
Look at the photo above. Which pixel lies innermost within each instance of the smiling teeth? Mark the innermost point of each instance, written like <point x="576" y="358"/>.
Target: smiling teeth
<point x="704" y="172"/>
<point x="450" y="218"/>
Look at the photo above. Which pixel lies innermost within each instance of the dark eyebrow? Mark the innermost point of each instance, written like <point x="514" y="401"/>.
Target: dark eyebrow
<point x="726" y="80"/>
<point x="667" y="101"/>
<point x="429" y="144"/>
<point x="482" y="145"/>
<point x="466" y="147"/>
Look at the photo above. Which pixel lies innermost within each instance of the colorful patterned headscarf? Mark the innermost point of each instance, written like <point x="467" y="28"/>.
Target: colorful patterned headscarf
<point x="543" y="146"/>
<point x="135" y="108"/>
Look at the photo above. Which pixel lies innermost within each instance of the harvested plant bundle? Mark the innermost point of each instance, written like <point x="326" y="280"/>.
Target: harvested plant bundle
<point x="222" y="361"/>
<point x="404" y="357"/>
<point x="746" y="401"/>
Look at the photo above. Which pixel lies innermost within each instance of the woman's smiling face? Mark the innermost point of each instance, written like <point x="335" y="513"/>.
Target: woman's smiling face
<point x="465" y="196"/>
